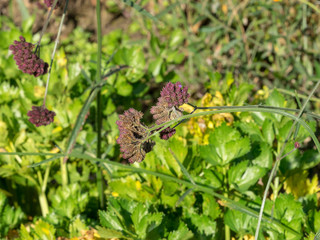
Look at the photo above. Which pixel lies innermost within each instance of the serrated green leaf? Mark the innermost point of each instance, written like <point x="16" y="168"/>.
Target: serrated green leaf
<point x="24" y="234"/>
<point x="140" y="223"/>
<point x="290" y="212"/>
<point x="181" y="233"/>
<point x="239" y="222"/>
<point x="44" y="230"/>
<point x="214" y="178"/>
<point x="110" y="220"/>
<point x="252" y="129"/>
<point x="204" y="224"/>
<point x="226" y="144"/>
<point x="210" y="207"/>
<point x="110" y="233"/>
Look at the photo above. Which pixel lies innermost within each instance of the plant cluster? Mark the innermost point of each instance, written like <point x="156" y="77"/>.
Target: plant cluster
<point x="238" y="162"/>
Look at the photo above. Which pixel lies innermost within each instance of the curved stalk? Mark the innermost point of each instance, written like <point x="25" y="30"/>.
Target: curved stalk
<point x="239" y="109"/>
<point x="280" y="156"/>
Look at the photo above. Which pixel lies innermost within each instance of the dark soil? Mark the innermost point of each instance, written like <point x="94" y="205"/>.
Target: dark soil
<point x="81" y="13"/>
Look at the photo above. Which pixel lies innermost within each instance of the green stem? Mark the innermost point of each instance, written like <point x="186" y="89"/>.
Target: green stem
<point x="43" y="204"/>
<point x="258" y="108"/>
<point x="45" y="25"/>
<point x="226" y="227"/>
<point x="280" y="156"/>
<point x="42" y="195"/>
<point x="299" y="95"/>
<point x="64" y="172"/>
<point x="197" y="187"/>
<point x="54" y="49"/>
<point x="100" y="184"/>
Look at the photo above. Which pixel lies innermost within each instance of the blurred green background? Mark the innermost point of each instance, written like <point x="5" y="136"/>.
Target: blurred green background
<point x="227" y="52"/>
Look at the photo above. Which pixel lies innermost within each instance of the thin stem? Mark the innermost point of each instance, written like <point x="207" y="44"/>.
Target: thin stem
<point x="273" y="110"/>
<point x="299" y="95"/>
<point x="226" y="227"/>
<point x="45" y="179"/>
<point x="197" y="187"/>
<point x="280" y="156"/>
<point x="100" y="184"/>
<point x="55" y="47"/>
<point x="45" y="25"/>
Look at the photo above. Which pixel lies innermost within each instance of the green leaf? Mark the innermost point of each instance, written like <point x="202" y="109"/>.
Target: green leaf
<point x="204" y="224"/>
<point x="110" y="220"/>
<point x="226" y="144"/>
<point x="123" y="87"/>
<point x="276" y="100"/>
<point x="139" y="221"/>
<point x="242" y="177"/>
<point x="177" y="37"/>
<point x="268" y="131"/>
<point x="134" y="57"/>
<point x="155" y="66"/>
<point x="110" y="233"/>
<point x="44" y="230"/>
<point x="289" y="212"/>
<point x="239" y="222"/>
<point x="309" y="159"/>
<point x="181" y="233"/>
<point x="210" y="206"/>
<point x="264" y="157"/>
<point x="24" y="234"/>
<point x="214" y="178"/>
<point x="252" y="129"/>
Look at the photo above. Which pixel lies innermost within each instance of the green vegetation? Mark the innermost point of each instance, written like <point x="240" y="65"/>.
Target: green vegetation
<point x="252" y="69"/>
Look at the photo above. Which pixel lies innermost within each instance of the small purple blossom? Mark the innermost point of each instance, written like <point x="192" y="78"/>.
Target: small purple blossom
<point x="41" y="116"/>
<point x="50" y="2"/>
<point x="132" y="135"/>
<point x="297" y="145"/>
<point x="174" y="94"/>
<point x="27" y="61"/>
<point x="167" y="133"/>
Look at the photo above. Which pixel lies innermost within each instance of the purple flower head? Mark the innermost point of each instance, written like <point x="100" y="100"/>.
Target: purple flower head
<point x="41" y="116"/>
<point x="50" y="2"/>
<point x="167" y="133"/>
<point x="167" y="108"/>
<point x="132" y="135"/>
<point x="174" y="94"/>
<point x="27" y="61"/>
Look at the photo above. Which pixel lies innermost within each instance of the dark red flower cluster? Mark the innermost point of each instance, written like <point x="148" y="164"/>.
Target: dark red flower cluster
<point x="167" y="133"/>
<point x="41" y="116"/>
<point x="167" y="108"/>
<point x="132" y="136"/>
<point x="50" y="2"/>
<point x="174" y="94"/>
<point x="27" y="61"/>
